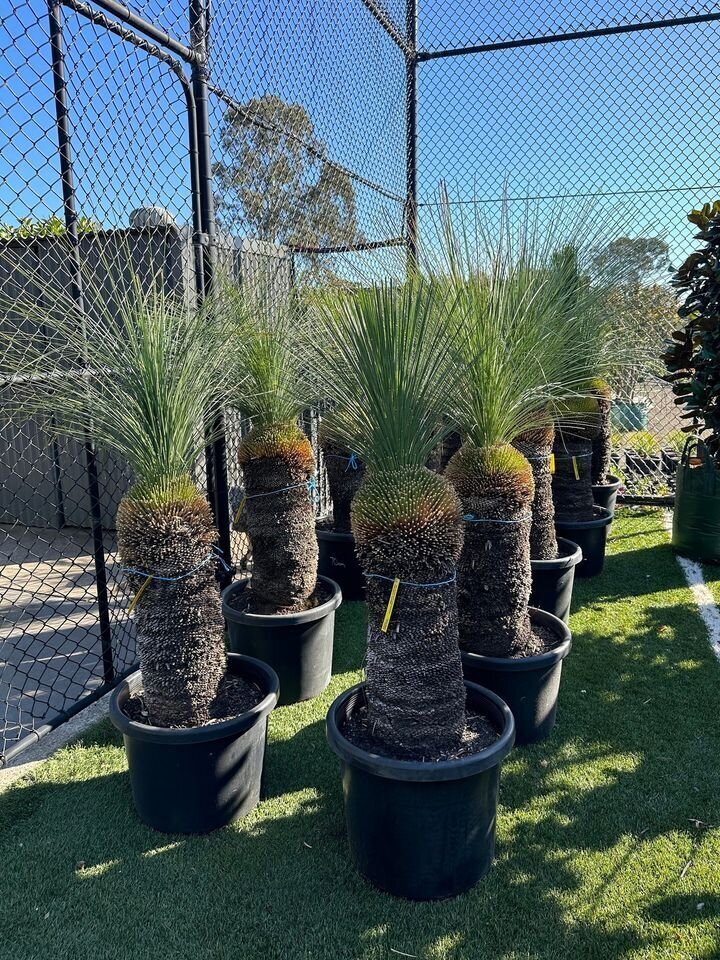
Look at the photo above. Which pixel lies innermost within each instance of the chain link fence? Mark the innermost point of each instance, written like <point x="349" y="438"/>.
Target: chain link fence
<point x="304" y="142"/>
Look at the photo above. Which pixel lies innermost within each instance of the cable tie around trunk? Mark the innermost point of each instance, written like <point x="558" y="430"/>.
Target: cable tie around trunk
<point x="215" y="554"/>
<point x="396" y="583"/>
<point x="310" y="484"/>
<point x="352" y="461"/>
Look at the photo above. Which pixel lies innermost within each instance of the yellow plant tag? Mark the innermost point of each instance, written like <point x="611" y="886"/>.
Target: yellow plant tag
<point x="391" y="604"/>
<point x="137" y="596"/>
<point x="239" y="510"/>
<point x="575" y="468"/>
<point x="552" y="463"/>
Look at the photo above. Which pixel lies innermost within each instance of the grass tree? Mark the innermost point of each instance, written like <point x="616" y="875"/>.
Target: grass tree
<point x="138" y="374"/>
<point x="514" y="375"/>
<point x="345" y="472"/>
<point x="276" y="456"/>
<point x="382" y="355"/>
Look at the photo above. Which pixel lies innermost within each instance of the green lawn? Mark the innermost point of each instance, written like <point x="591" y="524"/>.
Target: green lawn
<point x="608" y="836"/>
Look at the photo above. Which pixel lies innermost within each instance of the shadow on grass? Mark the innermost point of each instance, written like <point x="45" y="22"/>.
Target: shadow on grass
<point x="627" y="764"/>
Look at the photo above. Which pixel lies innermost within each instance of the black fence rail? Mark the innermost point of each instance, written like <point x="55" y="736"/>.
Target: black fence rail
<point x="305" y="140"/>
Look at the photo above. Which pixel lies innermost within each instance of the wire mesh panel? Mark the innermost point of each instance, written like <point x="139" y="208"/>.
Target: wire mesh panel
<point x="616" y="125"/>
<point x="297" y="144"/>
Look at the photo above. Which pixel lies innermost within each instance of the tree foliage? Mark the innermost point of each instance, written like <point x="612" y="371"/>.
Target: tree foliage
<point x="692" y="356"/>
<point x="275" y="177"/>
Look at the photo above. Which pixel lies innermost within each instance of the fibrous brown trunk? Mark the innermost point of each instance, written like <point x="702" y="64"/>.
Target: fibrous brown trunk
<point x="407" y="525"/>
<point x="441" y="455"/>
<point x="280" y="519"/>
<point x="572" y="480"/>
<point x="602" y="443"/>
<point x="345" y="472"/>
<point x="494" y="576"/>
<point x="536" y="446"/>
<point x="178" y="620"/>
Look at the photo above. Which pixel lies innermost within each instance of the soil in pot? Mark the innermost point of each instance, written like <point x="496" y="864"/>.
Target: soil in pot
<point x="298" y="646"/>
<point x="530" y="684"/>
<point x="553" y="580"/>
<point x="421" y="830"/>
<point x="196" y="779"/>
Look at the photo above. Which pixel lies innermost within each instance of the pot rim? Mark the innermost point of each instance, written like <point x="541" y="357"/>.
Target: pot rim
<point x="537" y="661"/>
<point x="331" y="534"/>
<point x="417" y="770"/>
<point x="565" y="561"/>
<point x="178" y="736"/>
<point x="604" y="519"/>
<point x="613" y="483"/>
<point x="279" y="619"/>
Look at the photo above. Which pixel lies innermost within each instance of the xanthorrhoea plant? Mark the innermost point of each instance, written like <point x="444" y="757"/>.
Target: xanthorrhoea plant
<point x="345" y="472"/>
<point x="139" y="374"/>
<point x="513" y="377"/>
<point x="382" y="355"/>
<point x="276" y="457"/>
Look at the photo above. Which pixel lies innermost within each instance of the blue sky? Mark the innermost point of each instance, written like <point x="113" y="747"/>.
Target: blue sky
<point x="634" y="117"/>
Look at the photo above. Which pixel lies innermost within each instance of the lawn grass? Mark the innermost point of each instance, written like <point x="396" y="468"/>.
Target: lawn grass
<point x="608" y="837"/>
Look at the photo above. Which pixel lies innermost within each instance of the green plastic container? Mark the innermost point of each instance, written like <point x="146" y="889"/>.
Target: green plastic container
<point x="630" y="416"/>
<point x="696" y="517"/>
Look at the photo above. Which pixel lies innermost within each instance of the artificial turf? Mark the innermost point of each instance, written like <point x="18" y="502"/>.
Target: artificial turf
<point x="608" y="833"/>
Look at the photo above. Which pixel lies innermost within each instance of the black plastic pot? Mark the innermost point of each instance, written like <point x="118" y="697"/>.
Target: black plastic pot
<point x="552" y="580"/>
<point x="606" y="494"/>
<point x="591" y="537"/>
<point x="529" y="685"/>
<point x="298" y="646"/>
<point x="642" y="464"/>
<point x="423" y="831"/>
<point x="196" y="779"/>
<point x="337" y="561"/>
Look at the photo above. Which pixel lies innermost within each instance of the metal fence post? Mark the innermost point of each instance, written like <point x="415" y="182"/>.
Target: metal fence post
<point x="216" y="456"/>
<point x="70" y="211"/>
<point x="411" y="63"/>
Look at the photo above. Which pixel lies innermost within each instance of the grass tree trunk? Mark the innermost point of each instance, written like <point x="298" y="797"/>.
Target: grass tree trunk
<point x="496" y="490"/>
<point x="345" y="474"/>
<point x="178" y="620"/>
<point x="444" y="451"/>
<point x="278" y="464"/>
<point x="408" y="526"/>
<point x="602" y="442"/>
<point x="536" y="446"/>
<point x="572" y="480"/>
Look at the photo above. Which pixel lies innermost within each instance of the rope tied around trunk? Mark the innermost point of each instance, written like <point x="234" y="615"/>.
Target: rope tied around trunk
<point x="396" y="584"/>
<point x="352" y="460"/>
<point x="311" y="485"/>
<point x="214" y="556"/>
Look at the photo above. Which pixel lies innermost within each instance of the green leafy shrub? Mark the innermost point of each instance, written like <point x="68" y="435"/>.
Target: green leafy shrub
<point x="692" y="357"/>
<point x="642" y="443"/>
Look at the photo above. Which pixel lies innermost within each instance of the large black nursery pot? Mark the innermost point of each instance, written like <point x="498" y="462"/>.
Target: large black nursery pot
<point x="196" y="779"/>
<point x="529" y="685"/>
<point x="298" y="646"/>
<point x="591" y="537"/>
<point x="696" y="515"/>
<point x="423" y="831"/>
<point x="606" y="494"/>
<point x="553" y="580"/>
<point x="337" y="560"/>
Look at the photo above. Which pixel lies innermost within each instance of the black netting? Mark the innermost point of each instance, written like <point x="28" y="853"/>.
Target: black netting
<point x="321" y="159"/>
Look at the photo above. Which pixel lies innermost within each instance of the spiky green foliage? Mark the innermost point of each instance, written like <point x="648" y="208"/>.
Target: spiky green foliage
<point x="383" y="355"/>
<point x="269" y="334"/>
<point x="139" y="372"/>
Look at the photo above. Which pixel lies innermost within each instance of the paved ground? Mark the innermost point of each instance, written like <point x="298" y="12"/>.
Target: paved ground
<point x="50" y="653"/>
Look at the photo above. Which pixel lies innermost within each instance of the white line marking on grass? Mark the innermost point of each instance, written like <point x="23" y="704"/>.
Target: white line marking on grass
<point x="700" y="591"/>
